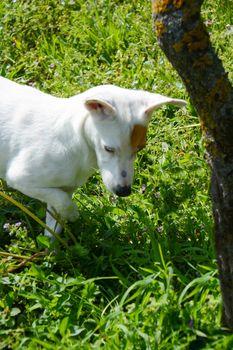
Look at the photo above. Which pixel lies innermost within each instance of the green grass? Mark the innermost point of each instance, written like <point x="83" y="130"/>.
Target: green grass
<point x="142" y="273"/>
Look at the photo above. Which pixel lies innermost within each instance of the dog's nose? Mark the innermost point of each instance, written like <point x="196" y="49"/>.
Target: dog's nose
<point x="122" y="191"/>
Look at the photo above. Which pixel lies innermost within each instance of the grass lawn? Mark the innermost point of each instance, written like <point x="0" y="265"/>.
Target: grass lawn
<point x="141" y="272"/>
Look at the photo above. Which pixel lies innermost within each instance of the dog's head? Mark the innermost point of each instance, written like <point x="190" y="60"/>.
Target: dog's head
<point x="117" y="128"/>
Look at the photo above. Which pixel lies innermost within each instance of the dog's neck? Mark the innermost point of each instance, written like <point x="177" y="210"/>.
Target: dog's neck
<point x="87" y="153"/>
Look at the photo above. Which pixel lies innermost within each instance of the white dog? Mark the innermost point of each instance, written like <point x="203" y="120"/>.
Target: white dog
<point x="51" y="145"/>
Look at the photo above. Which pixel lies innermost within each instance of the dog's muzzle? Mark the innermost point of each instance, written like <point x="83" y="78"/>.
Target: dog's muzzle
<point x="122" y="191"/>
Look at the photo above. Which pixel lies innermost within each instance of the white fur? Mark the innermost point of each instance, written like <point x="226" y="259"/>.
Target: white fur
<point x="51" y="145"/>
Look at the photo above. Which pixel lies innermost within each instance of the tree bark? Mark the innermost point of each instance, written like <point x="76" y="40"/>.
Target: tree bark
<point x="184" y="39"/>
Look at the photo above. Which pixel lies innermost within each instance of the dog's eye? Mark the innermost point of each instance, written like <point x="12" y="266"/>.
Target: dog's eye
<point x="109" y="149"/>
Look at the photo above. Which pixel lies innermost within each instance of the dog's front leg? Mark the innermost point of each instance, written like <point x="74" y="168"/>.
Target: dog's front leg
<point x="52" y="223"/>
<point x="57" y="199"/>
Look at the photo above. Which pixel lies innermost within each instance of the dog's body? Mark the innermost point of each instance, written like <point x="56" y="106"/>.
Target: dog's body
<point x="49" y="145"/>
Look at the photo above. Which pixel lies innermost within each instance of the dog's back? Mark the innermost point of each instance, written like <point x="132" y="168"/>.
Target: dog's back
<point x="13" y="99"/>
<point x="11" y="90"/>
<point x="26" y="116"/>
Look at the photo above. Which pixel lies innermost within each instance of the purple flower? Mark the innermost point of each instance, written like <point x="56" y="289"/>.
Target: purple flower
<point x="143" y="189"/>
<point x="157" y="194"/>
<point x="6" y="226"/>
<point x="190" y="324"/>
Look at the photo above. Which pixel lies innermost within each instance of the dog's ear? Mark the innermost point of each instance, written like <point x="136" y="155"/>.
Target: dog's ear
<point x="100" y="107"/>
<point x="159" y="100"/>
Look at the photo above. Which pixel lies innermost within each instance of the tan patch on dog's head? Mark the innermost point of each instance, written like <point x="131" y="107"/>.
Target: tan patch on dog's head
<point x="138" y="137"/>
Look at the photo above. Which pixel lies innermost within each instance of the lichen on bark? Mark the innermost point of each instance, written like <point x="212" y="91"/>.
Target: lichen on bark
<point x="196" y="39"/>
<point x="162" y="5"/>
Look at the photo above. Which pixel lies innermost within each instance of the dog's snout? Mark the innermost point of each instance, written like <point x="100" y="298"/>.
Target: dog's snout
<point x="122" y="191"/>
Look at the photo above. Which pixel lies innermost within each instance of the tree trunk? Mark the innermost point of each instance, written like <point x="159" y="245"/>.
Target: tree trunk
<point x="183" y="38"/>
